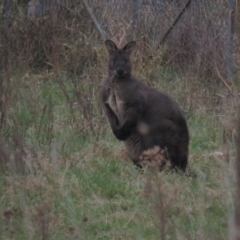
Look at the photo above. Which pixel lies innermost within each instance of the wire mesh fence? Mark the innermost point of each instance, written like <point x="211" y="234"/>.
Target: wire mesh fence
<point x="198" y="37"/>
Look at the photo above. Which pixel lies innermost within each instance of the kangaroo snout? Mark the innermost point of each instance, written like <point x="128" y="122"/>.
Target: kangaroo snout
<point x="120" y="72"/>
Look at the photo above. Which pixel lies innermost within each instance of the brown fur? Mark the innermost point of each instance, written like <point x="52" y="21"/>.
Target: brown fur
<point x="141" y="116"/>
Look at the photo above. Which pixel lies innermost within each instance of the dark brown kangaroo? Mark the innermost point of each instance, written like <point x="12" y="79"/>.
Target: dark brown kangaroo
<point x="141" y="116"/>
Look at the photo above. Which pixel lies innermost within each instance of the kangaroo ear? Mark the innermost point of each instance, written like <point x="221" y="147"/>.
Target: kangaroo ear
<point x="111" y="46"/>
<point x="129" y="47"/>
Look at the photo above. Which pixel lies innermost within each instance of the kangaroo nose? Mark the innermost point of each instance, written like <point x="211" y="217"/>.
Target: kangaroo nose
<point x="120" y="72"/>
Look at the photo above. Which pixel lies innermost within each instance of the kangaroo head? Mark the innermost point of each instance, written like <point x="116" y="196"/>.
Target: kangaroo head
<point x="119" y="59"/>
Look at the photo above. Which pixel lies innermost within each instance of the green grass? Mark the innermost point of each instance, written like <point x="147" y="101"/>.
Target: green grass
<point x="76" y="185"/>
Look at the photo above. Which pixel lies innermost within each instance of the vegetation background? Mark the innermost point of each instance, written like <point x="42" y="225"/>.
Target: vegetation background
<point x="63" y="175"/>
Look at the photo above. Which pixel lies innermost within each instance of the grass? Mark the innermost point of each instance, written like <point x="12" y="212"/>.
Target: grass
<point x="74" y="184"/>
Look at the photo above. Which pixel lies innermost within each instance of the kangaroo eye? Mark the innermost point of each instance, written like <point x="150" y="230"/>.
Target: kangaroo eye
<point x="126" y="60"/>
<point x="114" y="60"/>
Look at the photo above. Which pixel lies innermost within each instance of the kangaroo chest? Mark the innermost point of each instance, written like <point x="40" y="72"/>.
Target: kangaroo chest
<point x="115" y="101"/>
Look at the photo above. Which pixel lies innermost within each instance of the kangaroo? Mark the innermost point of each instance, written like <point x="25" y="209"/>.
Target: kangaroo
<point x="142" y="117"/>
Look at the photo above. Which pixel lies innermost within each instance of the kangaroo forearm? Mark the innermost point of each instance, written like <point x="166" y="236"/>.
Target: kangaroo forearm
<point x="124" y="132"/>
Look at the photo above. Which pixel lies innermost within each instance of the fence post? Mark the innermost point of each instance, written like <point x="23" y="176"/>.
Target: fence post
<point x="6" y="12"/>
<point x="230" y="29"/>
<point x="134" y="18"/>
<point x="236" y="232"/>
